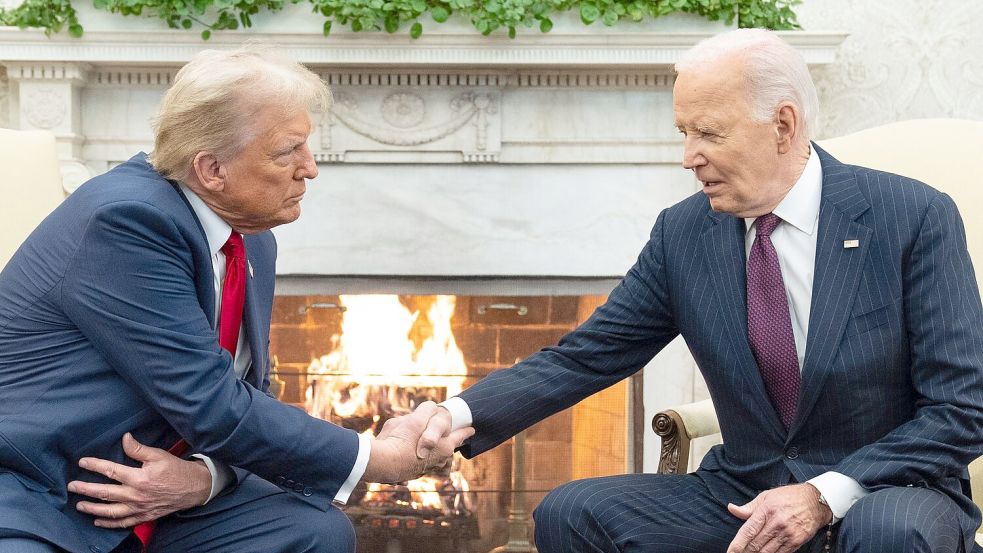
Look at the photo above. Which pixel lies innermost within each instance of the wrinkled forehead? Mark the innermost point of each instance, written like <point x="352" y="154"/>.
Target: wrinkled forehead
<point x="717" y="90"/>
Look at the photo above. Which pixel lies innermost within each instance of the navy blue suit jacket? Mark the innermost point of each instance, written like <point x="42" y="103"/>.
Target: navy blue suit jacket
<point x="892" y="383"/>
<point x="105" y="328"/>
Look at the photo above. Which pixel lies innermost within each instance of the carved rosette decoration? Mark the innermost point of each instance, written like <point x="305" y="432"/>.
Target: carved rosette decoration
<point x="403" y="110"/>
<point x="44" y="108"/>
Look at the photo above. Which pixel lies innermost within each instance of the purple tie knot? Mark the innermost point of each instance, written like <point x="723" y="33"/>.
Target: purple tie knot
<point x="767" y="223"/>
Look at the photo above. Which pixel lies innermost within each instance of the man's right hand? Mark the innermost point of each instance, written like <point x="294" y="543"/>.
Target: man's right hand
<point x="394" y="454"/>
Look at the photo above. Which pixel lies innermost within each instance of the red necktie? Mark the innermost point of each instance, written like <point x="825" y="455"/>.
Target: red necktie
<point x="229" y="321"/>
<point x="769" y="324"/>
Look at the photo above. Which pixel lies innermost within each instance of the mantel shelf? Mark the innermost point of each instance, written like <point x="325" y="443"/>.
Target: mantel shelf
<point x="462" y="49"/>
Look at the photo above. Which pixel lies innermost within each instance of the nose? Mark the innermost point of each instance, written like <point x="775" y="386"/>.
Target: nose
<point x="308" y="169"/>
<point x="692" y="156"/>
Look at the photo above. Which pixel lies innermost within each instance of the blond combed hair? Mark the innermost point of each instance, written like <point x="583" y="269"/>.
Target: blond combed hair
<point x="774" y="72"/>
<point x="216" y="100"/>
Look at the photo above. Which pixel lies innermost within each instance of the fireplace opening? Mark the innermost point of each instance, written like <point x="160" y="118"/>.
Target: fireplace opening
<point x="358" y="360"/>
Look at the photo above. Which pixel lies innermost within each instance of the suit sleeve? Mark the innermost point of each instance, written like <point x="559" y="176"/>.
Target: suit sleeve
<point x="130" y="289"/>
<point x="945" y="337"/>
<point x="619" y="338"/>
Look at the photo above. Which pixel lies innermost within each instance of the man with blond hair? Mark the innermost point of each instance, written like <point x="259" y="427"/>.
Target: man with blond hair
<point x="134" y="328"/>
<point x="834" y="314"/>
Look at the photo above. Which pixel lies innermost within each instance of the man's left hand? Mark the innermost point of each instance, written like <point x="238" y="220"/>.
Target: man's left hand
<point x="779" y="520"/>
<point x="163" y="485"/>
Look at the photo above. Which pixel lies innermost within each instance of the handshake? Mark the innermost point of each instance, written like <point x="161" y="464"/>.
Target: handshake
<point x="413" y="444"/>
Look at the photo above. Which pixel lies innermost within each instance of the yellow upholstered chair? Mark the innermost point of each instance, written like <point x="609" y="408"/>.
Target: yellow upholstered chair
<point x="30" y="184"/>
<point x="945" y="153"/>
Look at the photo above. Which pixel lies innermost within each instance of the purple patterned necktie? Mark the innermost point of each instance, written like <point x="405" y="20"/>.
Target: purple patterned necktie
<point x="769" y="324"/>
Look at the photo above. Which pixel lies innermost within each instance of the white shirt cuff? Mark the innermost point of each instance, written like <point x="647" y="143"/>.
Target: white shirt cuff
<point x="361" y="463"/>
<point x="840" y="492"/>
<point x="460" y="413"/>
<point x="222" y="475"/>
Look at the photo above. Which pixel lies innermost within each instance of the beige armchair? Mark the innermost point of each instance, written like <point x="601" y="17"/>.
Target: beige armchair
<point x="945" y="153"/>
<point x="30" y="182"/>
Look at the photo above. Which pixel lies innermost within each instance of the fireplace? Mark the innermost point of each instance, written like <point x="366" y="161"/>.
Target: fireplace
<point x="359" y="359"/>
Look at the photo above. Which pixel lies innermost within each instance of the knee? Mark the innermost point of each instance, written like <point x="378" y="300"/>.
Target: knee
<point x="873" y="525"/>
<point x="324" y="532"/>
<point x="563" y="516"/>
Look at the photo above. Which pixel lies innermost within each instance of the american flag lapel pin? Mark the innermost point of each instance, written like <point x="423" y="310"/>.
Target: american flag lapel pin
<point x="250" y="265"/>
<point x="847" y="244"/>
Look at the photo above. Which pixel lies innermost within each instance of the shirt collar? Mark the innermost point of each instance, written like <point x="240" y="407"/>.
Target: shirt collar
<point x="800" y="207"/>
<point x="217" y="231"/>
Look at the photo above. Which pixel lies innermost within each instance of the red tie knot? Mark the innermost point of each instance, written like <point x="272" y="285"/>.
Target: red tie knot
<point x="233" y="246"/>
<point x="766" y="224"/>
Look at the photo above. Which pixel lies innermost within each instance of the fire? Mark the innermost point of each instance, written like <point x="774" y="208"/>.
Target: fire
<point x="387" y="360"/>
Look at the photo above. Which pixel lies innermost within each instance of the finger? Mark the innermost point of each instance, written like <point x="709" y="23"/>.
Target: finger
<point x="437" y="427"/>
<point x="102" y="492"/>
<point x="107" y="511"/>
<point x="458" y="436"/>
<point x="140" y="452"/>
<point x="109" y="469"/>
<point x="742" y="512"/>
<point x="746" y="534"/>
<point x="128" y="522"/>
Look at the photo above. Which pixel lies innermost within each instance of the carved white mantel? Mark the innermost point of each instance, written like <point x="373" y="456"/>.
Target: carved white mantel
<point x="582" y="113"/>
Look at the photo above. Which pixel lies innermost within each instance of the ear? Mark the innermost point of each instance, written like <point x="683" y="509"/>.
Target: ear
<point x="786" y="126"/>
<point x="211" y="173"/>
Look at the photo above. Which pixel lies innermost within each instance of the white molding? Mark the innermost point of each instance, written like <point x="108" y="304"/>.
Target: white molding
<point x="460" y="50"/>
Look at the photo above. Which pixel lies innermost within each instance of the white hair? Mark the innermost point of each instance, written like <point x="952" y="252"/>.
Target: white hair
<point x="774" y="73"/>
<point x="215" y="101"/>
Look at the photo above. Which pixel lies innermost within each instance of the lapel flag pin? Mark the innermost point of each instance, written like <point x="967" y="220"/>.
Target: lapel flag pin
<point x="846" y="244"/>
<point x="250" y="265"/>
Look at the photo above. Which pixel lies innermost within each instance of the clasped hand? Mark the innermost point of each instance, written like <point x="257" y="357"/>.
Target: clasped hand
<point x="410" y="445"/>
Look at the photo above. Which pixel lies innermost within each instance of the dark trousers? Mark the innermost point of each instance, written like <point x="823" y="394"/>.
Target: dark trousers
<point x="256" y="516"/>
<point x="655" y="513"/>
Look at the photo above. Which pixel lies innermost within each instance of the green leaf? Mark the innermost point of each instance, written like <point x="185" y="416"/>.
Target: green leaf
<point x="589" y="13"/>
<point x="440" y="13"/>
<point x="511" y="31"/>
<point x="610" y="18"/>
<point x="75" y="31"/>
<point x="327" y="27"/>
<point x="419" y="6"/>
<point x="545" y="25"/>
<point x="416" y="30"/>
<point x="206" y="34"/>
<point x="186" y="23"/>
<point x="391" y="23"/>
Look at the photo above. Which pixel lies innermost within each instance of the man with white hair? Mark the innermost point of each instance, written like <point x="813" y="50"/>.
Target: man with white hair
<point x="135" y="320"/>
<point x="834" y="314"/>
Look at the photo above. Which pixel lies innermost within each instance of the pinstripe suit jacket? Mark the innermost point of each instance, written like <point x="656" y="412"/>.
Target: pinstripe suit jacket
<point x="892" y="383"/>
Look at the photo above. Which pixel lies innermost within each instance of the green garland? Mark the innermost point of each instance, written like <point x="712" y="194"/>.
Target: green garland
<point x="390" y="15"/>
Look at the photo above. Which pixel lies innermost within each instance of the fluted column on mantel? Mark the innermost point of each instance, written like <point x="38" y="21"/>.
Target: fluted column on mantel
<point x="47" y="96"/>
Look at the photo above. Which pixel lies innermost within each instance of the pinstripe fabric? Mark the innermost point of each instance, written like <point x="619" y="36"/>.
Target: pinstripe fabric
<point x="892" y="383"/>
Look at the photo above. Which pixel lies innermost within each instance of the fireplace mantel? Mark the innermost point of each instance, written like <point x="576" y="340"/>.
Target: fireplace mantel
<point x="452" y="155"/>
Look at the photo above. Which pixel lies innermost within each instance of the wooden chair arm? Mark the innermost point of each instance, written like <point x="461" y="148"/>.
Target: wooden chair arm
<point x="678" y="427"/>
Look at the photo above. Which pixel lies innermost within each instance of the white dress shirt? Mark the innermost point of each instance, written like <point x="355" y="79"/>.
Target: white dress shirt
<point x="217" y="232"/>
<point x="795" y="241"/>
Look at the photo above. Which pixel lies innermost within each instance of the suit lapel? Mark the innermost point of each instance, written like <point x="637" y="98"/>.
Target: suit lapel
<point x="836" y="278"/>
<point x="204" y="283"/>
<point x="723" y="246"/>
<point x="251" y="318"/>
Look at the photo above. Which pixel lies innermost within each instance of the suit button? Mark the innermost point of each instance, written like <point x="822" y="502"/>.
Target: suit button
<point x="792" y="452"/>
<point x="308" y="492"/>
<point x="279" y="480"/>
<point x="289" y="483"/>
<point x="94" y="549"/>
<point x="299" y="487"/>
